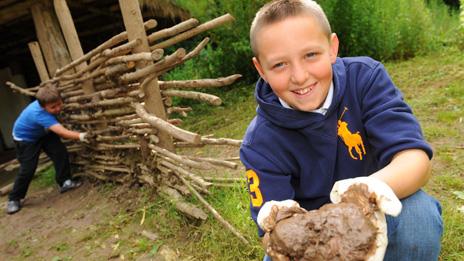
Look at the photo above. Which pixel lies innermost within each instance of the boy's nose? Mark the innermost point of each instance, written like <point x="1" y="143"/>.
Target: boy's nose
<point x="299" y="74"/>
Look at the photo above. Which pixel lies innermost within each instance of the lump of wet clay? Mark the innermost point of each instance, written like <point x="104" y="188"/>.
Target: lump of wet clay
<point x="343" y="231"/>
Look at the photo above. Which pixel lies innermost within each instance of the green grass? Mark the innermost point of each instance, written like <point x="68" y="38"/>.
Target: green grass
<point x="434" y="87"/>
<point x="45" y="178"/>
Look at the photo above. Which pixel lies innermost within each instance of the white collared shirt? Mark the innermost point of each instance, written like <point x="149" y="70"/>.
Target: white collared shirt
<point x="323" y="109"/>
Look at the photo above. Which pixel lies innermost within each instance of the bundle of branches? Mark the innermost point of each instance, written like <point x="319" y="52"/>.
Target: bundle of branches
<point x="132" y="144"/>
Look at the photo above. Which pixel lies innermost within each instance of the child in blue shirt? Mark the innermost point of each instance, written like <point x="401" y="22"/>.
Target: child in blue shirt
<point x="37" y="129"/>
<point x="322" y="119"/>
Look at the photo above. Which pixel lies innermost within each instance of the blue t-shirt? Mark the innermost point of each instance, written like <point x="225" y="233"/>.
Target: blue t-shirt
<point x="33" y="123"/>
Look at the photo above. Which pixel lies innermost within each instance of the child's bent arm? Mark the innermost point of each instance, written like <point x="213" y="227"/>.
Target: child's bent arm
<point x="406" y="173"/>
<point x="61" y="131"/>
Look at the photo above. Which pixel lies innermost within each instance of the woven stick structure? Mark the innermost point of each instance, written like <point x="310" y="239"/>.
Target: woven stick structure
<point x="128" y="110"/>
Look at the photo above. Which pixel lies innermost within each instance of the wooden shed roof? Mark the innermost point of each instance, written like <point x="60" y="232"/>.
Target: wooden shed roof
<point x="95" y="21"/>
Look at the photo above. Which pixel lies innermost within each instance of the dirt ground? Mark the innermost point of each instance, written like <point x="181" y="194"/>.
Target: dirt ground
<point x="54" y="226"/>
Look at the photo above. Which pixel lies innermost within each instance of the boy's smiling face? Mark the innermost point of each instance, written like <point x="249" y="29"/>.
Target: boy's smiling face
<point x="295" y="57"/>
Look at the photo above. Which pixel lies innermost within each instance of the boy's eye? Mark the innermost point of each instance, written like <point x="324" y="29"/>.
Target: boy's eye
<point x="310" y="54"/>
<point x="278" y="65"/>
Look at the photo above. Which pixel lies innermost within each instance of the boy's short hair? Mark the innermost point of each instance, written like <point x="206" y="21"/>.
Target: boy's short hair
<point x="278" y="10"/>
<point x="47" y="93"/>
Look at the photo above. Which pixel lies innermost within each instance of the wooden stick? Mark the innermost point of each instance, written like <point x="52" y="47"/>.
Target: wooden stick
<point x="197" y="181"/>
<point x="221" y="141"/>
<point x="6" y="189"/>
<point x="127" y="117"/>
<point x="223" y="185"/>
<point x="111" y="93"/>
<point x="197" y="30"/>
<point x="201" y="83"/>
<point x="90" y="173"/>
<point x="210" y="99"/>
<point x="143" y="132"/>
<point x="103" y="121"/>
<point x="132" y="17"/>
<point x="153" y="56"/>
<point x="109" y="168"/>
<point x="39" y="62"/>
<point x="174" y="131"/>
<point x="107" y="129"/>
<point x="105" y="157"/>
<point x="19" y="89"/>
<point x="112" y="70"/>
<point x="180" y="159"/>
<point x="150" y="24"/>
<point x="122" y="49"/>
<point x="102" y="103"/>
<point x="196" y="51"/>
<point x="223" y="179"/>
<point x="181" y="110"/>
<point x="141" y="125"/>
<point x="130" y="122"/>
<point x="175" y="122"/>
<point x="218" y="162"/>
<point x="212" y="210"/>
<point x="103" y="146"/>
<point x="211" y="141"/>
<point x="187" y="208"/>
<point x="112" y="138"/>
<point x="72" y="39"/>
<point x="191" y="54"/>
<point x="65" y="95"/>
<point x="178" y="28"/>
<point x="110" y="112"/>
<point x="168" y="61"/>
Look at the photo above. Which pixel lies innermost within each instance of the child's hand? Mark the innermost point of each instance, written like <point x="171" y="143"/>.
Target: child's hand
<point x="386" y="199"/>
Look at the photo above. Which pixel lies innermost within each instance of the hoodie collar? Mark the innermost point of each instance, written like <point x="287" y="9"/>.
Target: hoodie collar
<point x="324" y="108"/>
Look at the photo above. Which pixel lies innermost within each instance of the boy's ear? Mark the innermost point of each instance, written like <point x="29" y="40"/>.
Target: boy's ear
<point x="258" y="67"/>
<point x="334" y="43"/>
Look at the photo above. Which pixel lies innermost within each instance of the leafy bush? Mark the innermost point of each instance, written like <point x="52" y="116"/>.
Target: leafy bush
<point x="382" y="29"/>
<point x="229" y="51"/>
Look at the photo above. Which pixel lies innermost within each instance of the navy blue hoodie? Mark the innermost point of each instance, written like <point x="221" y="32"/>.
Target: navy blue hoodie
<point x="291" y="154"/>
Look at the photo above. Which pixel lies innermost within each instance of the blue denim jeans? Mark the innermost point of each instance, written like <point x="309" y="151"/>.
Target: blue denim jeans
<point x="416" y="233"/>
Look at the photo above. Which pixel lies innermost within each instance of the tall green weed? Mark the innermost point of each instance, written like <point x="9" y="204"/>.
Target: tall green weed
<point x="382" y="29"/>
<point x="460" y="34"/>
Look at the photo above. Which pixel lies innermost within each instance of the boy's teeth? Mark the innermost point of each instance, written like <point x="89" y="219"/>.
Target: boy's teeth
<point x="303" y="91"/>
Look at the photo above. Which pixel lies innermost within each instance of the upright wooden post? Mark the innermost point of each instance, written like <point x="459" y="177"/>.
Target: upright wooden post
<point x="39" y="62"/>
<point x="72" y="39"/>
<point x="49" y="35"/>
<point x="133" y="22"/>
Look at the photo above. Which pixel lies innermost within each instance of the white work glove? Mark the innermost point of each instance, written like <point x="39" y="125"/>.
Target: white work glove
<point x="83" y="137"/>
<point x="265" y="210"/>
<point x="385" y="197"/>
<point x="386" y="200"/>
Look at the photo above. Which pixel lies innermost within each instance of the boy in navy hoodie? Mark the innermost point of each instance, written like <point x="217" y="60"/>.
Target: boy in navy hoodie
<point x="322" y="119"/>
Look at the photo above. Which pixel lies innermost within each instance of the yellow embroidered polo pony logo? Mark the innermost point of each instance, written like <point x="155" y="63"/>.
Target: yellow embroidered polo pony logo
<point x="351" y="140"/>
